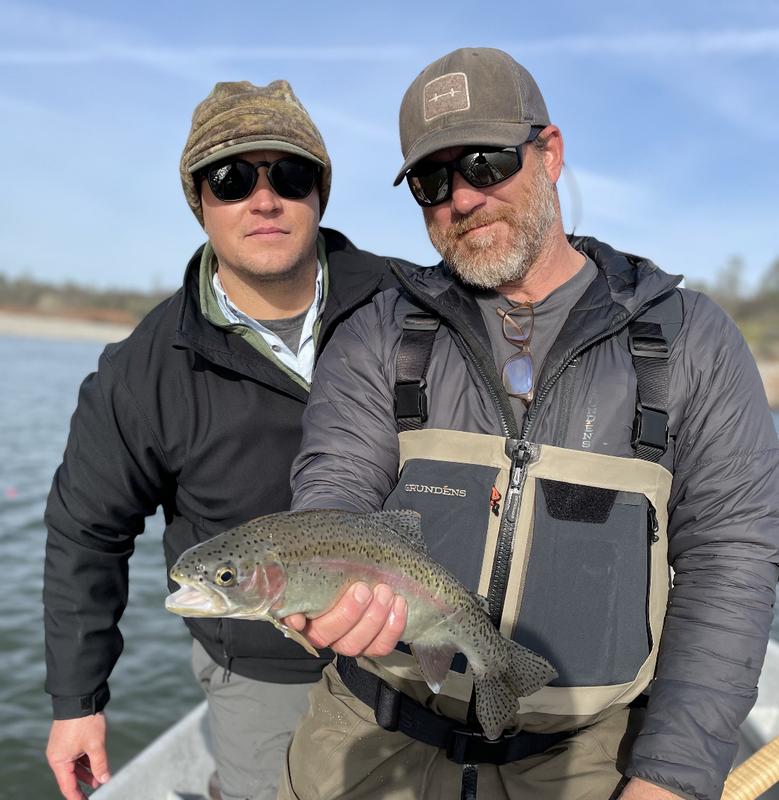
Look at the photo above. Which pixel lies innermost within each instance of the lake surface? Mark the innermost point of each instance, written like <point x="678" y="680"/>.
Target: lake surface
<point x="152" y="685"/>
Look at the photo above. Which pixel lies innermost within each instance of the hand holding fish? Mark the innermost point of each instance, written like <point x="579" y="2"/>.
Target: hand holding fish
<point x="361" y="623"/>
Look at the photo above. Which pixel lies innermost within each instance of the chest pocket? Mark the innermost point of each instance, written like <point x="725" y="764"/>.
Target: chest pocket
<point x="454" y="501"/>
<point x="585" y="603"/>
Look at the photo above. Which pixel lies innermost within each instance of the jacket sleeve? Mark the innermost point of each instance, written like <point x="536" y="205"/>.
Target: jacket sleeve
<point x="349" y="452"/>
<point x="724" y="550"/>
<point x="109" y="481"/>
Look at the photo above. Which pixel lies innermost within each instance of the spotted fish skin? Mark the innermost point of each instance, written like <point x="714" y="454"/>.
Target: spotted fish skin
<point x="302" y="562"/>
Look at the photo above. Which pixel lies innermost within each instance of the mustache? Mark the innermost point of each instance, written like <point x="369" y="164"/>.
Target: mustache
<point x="478" y="218"/>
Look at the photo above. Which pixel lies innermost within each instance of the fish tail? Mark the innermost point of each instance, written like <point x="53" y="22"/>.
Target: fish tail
<point x="520" y="673"/>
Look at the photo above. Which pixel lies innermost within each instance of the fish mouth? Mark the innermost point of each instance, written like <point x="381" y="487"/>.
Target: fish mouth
<point x="196" y="600"/>
<point x="193" y="601"/>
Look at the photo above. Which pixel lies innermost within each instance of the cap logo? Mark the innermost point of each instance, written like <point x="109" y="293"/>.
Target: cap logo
<point x="446" y="94"/>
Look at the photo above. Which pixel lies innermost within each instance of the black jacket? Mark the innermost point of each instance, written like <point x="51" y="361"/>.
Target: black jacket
<point x="191" y="417"/>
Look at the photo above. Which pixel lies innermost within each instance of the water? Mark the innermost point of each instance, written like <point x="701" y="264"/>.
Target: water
<point x="152" y="685"/>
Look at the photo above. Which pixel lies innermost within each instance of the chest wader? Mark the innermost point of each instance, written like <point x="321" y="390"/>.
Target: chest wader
<point x="569" y="547"/>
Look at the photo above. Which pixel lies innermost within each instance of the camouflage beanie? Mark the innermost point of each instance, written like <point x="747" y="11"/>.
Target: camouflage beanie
<point x="239" y="117"/>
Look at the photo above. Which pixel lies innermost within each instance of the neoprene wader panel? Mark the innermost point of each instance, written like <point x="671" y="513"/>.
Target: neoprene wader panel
<point x="588" y="576"/>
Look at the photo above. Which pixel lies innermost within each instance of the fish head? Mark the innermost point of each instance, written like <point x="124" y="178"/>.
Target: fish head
<point x="218" y="583"/>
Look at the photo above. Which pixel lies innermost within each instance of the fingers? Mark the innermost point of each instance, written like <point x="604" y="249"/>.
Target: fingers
<point x="84" y="773"/>
<point x="65" y="775"/>
<point x="389" y="635"/>
<point x="296" y="621"/>
<point x="76" y="752"/>
<point x="361" y="623"/>
<point x="98" y="761"/>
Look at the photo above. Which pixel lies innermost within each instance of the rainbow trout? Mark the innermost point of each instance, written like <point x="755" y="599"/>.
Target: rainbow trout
<point x="302" y="562"/>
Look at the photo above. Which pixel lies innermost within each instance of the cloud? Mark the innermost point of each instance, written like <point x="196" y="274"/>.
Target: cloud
<point x="92" y="41"/>
<point x="590" y="198"/>
<point x="664" y="44"/>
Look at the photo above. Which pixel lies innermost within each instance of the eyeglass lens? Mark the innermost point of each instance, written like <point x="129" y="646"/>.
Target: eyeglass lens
<point x="289" y="177"/>
<point x="517" y="373"/>
<point x="431" y="182"/>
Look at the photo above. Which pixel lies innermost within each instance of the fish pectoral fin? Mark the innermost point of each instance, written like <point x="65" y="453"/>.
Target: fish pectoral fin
<point x="296" y="636"/>
<point x="434" y="661"/>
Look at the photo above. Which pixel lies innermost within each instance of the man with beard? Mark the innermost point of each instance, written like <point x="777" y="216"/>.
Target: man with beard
<point x="566" y="422"/>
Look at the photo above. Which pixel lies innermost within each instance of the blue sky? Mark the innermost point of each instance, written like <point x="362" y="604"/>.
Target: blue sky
<point x="670" y="114"/>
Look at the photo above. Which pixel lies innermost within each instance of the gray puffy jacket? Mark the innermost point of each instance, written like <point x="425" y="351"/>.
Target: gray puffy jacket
<point x="724" y="514"/>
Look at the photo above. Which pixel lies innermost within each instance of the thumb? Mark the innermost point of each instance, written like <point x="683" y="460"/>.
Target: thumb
<point x="98" y="761"/>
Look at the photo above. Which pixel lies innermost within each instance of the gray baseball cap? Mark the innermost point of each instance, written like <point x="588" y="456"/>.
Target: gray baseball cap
<point x="472" y="96"/>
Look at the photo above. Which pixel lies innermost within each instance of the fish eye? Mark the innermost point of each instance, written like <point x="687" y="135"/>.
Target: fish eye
<point x="225" y="576"/>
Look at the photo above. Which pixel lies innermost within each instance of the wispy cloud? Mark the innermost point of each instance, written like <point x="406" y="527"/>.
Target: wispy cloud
<point x="589" y="198"/>
<point x="661" y="44"/>
<point x="94" y="42"/>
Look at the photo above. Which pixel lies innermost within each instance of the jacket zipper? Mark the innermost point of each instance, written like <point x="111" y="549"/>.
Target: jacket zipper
<point x="501" y="565"/>
<point x="506" y="428"/>
<point x="508" y="424"/>
<point x="544" y="391"/>
<point x="651" y="538"/>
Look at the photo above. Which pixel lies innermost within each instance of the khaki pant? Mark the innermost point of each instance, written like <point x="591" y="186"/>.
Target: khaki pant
<point x="250" y="723"/>
<point x="338" y="751"/>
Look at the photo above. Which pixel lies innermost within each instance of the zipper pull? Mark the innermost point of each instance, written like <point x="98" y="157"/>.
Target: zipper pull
<point x="652" y="524"/>
<point x="519" y="459"/>
<point x="495" y="496"/>
<point x="520" y="456"/>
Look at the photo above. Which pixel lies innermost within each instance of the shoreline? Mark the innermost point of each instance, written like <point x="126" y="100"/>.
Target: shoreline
<point x="42" y="326"/>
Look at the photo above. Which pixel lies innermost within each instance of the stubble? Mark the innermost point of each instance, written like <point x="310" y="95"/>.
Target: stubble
<point x="488" y="260"/>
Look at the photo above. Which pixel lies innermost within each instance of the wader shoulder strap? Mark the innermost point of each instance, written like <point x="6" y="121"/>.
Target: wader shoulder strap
<point x="413" y="359"/>
<point x="650" y="349"/>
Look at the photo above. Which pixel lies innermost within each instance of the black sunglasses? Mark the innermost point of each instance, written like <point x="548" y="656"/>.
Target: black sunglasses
<point x="431" y="181"/>
<point x="234" y="179"/>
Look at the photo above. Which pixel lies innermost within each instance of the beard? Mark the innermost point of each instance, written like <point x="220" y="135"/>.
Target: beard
<point x="489" y="260"/>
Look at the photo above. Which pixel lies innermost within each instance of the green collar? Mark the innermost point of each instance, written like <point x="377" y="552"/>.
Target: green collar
<point x="209" y="307"/>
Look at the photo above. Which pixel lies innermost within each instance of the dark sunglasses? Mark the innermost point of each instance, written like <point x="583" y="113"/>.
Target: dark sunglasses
<point x="517" y="373"/>
<point x="431" y="181"/>
<point x="234" y="179"/>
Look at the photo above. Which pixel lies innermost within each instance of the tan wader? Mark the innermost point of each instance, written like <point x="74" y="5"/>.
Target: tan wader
<point x="338" y="751"/>
<point x="588" y="587"/>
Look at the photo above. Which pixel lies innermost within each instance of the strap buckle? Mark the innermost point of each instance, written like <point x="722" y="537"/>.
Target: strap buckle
<point x="649" y="345"/>
<point x="472" y="747"/>
<point x="386" y="707"/>
<point x="411" y="400"/>
<point x="420" y="322"/>
<point x="650" y="428"/>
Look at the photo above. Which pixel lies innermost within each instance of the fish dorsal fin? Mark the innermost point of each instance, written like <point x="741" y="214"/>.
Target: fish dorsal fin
<point x="406" y="524"/>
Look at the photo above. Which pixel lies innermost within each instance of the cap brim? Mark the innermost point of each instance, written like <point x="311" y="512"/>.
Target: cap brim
<point x="255" y="144"/>
<point x="490" y="134"/>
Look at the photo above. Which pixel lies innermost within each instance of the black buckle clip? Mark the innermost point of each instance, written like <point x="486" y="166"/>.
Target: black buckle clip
<point x="472" y="747"/>
<point x="650" y="428"/>
<point x="411" y="400"/>
<point x="387" y="706"/>
<point x="420" y="322"/>
<point x="648" y="346"/>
